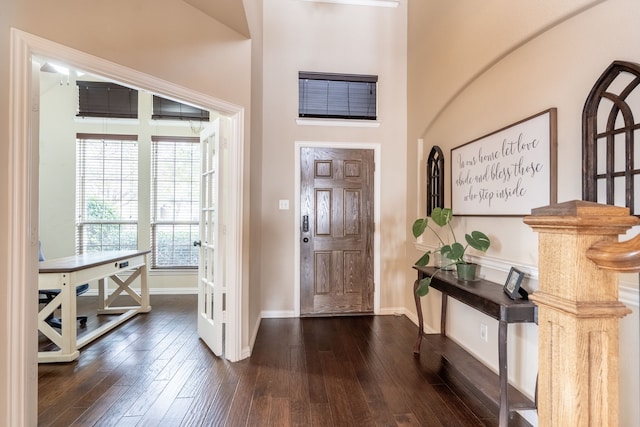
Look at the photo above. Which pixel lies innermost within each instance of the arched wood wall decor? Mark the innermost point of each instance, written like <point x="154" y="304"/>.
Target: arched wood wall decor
<point x="435" y="179"/>
<point x="609" y="130"/>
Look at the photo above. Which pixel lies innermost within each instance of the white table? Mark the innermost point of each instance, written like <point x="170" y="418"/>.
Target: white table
<point x="67" y="273"/>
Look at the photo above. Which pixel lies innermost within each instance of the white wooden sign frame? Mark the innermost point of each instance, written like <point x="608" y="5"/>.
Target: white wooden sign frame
<point x="507" y="172"/>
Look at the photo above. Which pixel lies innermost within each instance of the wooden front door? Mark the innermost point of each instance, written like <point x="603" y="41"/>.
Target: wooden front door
<point x="336" y="231"/>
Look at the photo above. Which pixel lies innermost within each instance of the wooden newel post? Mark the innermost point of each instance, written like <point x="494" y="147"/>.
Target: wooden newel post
<point x="578" y="314"/>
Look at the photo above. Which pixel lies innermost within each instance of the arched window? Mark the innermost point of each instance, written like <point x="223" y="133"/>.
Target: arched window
<point x="435" y="179"/>
<point x="610" y="164"/>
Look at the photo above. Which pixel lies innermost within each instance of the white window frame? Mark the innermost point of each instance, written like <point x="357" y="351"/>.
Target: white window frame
<point x="125" y="193"/>
<point x="192" y="188"/>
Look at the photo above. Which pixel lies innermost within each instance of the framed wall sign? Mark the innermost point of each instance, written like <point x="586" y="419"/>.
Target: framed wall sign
<point x="508" y="172"/>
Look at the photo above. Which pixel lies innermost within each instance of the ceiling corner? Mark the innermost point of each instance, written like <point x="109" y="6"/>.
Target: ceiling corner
<point x="229" y="12"/>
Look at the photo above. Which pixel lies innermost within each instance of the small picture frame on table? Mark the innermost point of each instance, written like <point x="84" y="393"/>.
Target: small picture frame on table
<point x="512" y="286"/>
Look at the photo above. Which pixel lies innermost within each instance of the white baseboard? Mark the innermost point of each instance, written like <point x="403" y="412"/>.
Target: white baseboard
<point x="277" y="314"/>
<point x="157" y="291"/>
<point x="531" y="416"/>
<point x="173" y="291"/>
<point x="246" y="352"/>
<point x="393" y="311"/>
<point x="629" y="296"/>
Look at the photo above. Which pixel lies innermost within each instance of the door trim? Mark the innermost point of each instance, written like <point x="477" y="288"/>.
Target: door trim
<point x="376" y="147"/>
<point x="19" y="370"/>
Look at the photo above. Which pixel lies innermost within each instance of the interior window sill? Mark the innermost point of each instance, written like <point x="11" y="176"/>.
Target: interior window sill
<point x="173" y="271"/>
<point x="379" y="3"/>
<point x="109" y="120"/>
<point x="338" y="122"/>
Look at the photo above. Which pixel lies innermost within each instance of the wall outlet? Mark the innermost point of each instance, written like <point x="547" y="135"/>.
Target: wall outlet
<point x="283" y="205"/>
<point x="484" y="332"/>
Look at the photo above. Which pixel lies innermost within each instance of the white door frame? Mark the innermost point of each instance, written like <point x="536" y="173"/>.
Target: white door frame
<point x="21" y="275"/>
<point x="376" y="215"/>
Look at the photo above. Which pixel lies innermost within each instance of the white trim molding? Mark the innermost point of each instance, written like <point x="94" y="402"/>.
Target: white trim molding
<point x="630" y="296"/>
<point x="153" y="291"/>
<point x="277" y="314"/>
<point x="338" y="123"/>
<point x="378" y="3"/>
<point x="21" y="368"/>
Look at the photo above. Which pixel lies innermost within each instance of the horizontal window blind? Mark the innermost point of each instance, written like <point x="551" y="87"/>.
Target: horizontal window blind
<point x="166" y="109"/>
<point x="106" y="192"/>
<point x="175" y="201"/>
<point x="103" y="99"/>
<point x="340" y="96"/>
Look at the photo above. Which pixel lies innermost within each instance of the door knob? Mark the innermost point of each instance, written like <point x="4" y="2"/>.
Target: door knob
<point x="197" y="243"/>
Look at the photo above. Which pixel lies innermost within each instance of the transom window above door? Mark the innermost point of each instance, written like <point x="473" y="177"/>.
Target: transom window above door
<point x="337" y="96"/>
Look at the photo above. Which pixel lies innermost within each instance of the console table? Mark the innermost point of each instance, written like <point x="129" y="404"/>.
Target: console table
<point x="489" y="298"/>
<point x="67" y="273"/>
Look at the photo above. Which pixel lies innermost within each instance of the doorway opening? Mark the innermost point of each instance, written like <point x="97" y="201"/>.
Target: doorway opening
<point x="23" y="215"/>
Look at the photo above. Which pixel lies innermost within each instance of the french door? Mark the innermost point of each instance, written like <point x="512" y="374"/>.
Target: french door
<point x="211" y="271"/>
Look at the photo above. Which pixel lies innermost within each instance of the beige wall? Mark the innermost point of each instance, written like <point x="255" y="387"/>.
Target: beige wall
<point x="471" y="68"/>
<point x="303" y="36"/>
<point x="486" y="71"/>
<point x="165" y="38"/>
<point x="252" y="305"/>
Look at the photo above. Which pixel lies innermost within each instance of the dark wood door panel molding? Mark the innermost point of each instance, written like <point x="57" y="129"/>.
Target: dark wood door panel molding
<point x="336" y="252"/>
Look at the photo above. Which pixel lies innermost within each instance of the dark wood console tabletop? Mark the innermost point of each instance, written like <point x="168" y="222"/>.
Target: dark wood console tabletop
<point x="488" y="298"/>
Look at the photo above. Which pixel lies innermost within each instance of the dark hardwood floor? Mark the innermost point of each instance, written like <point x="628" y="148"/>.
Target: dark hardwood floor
<point x="341" y="371"/>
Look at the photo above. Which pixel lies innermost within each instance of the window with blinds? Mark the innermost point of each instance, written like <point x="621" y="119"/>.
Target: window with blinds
<point x="175" y="201"/>
<point x="337" y="96"/>
<point x="166" y="109"/>
<point x="103" y="99"/>
<point x="106" y="192"/>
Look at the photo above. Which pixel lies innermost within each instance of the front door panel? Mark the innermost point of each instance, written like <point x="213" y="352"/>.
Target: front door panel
<point x="336" y="247"/>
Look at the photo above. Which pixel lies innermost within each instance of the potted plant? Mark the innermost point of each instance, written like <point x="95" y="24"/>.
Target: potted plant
<point x="452" y="253"/>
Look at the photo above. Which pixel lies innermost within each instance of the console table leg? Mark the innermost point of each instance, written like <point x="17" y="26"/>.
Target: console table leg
<point x="416" y="346"/>
<point x="503" y="373"/>
<point x="443" y="316"/>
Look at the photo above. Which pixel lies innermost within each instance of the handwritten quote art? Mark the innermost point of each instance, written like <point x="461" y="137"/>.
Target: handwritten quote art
<point x="508" y="172"/>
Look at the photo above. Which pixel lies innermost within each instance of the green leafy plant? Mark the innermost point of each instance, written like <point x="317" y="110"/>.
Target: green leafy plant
<point x="453" y="252"/>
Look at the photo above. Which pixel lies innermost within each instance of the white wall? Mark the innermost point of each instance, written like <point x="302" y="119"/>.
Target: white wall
<point x="509" y="65"/>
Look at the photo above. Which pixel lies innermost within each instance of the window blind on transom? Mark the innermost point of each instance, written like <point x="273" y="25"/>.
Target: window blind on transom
<point x="338" y="96"/>
<point x="104" y="99"/>
<point x="166" y="109"/>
